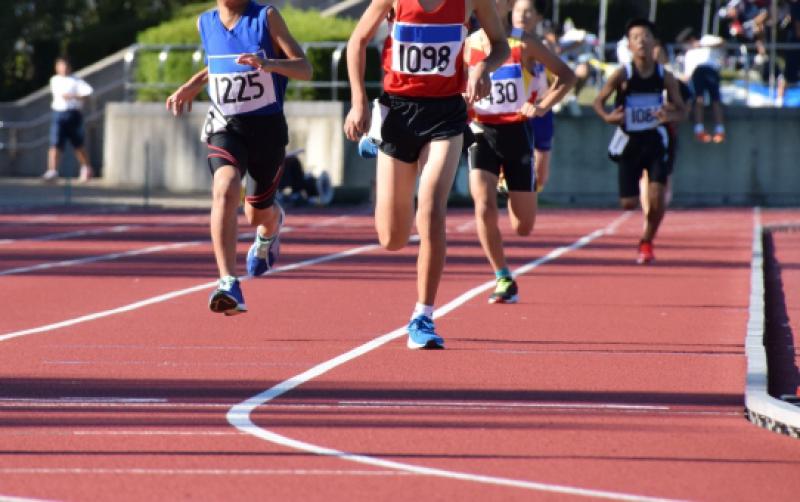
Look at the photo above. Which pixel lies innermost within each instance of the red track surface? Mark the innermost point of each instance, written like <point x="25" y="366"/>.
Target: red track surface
<point x="607" y="376"/>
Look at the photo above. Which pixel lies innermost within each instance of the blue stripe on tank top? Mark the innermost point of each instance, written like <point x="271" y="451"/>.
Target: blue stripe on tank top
<point x="427" y="33"/>
<point x="506" y="72"/>
<point x="227" y="63"/>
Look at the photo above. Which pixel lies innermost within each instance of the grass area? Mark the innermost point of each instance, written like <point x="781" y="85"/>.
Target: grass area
<point x="305" y="25"/>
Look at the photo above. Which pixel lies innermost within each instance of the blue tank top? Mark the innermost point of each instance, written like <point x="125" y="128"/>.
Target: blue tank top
<point x="237" y="89"/>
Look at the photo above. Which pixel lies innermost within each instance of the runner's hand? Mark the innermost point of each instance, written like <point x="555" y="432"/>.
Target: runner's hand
<point x="531" y="110"/>
<point x="357" y="122"/>
<point x="667" y="113"/>
<point x="181" y="98"/>
<point x="616" y="117"/>
<point x="478" y="83"/>
<point x="252" y="60"/>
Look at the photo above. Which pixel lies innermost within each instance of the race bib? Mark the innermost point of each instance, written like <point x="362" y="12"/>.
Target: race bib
<point x="426" y="49"/>
<point x="640" y="111"/>
<point x="236" y="88"/>
<point x="507" y="94"/>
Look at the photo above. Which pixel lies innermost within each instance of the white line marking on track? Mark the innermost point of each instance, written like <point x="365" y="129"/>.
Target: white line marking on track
<point x="199" y="472"/>
<point x="182" y="292"/>
<point x="78" y="233"/>
<point x="8" y="498"/>
<point x="489" y="404"/>
<point x="239" y="415"/>
<point x="99" y="258"/>
<point x="153" y="433"/>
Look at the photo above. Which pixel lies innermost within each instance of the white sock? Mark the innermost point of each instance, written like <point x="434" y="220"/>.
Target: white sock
<point x="421" y="309"/>
<point x="698" y="128"/>
<point x="719" y="129"/>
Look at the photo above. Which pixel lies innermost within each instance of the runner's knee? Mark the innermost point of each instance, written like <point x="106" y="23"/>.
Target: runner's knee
<point x="523" y="228"/>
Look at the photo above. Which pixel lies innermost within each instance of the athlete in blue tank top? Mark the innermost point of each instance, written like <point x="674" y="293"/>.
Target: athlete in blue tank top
<point x="250" y="54"/>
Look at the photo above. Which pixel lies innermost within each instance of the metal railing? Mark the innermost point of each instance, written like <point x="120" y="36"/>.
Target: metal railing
<point x="739" y="57"/>
<point x="11" y="132"/>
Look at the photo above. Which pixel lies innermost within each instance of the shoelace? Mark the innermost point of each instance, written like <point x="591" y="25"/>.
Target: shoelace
<point x="422" y="323"/>
<point x="227" y="283"/>
<point x="503" y="284"/>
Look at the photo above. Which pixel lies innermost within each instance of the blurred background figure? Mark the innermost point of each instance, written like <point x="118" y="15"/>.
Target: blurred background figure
<point x="576" y="47"/>
<point x="702" y="63"/>
<point x="66" y="124"/>
<point x="791" y="57"/>
<point x="298" y="188"/>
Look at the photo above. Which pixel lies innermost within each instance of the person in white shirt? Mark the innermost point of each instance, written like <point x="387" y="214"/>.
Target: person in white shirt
<point x="702" y="62"/>
<point x="69" y="92"/>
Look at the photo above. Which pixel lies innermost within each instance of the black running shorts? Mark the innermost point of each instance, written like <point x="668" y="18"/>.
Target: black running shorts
<point x="411" y="123"/>
<point x="506" y="147"/>
<point x="646" y="151"/>
<point x="256" y="146"/>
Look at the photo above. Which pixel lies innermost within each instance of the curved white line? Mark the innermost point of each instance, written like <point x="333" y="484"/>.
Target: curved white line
<point x="239" y="415"/>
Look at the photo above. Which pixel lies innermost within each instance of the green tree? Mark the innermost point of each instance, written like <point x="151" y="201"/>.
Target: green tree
<point x="34" y="33"/>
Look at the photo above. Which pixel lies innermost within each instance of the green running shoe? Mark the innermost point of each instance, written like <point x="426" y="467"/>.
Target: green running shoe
<point x="505" y="292"/>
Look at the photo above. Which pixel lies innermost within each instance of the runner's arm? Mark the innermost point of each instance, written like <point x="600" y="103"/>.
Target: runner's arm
<point x="478" y="84"/>
<point x="357" y="121"/>
<point x="532" y="51"/>
<point x="295" y="65"/>
<point x="677" y="111"/>
<point x="599" y="104"/>
<point x="186" y="93"/>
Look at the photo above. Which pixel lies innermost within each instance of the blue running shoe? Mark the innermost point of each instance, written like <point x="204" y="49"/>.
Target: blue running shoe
<point x="367" y="147"/>
<point x="264" y="252"/>
<point x="227" y="298"/>
<point x="421" y="334"/>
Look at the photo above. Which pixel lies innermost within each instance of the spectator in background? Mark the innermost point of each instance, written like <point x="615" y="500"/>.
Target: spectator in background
<point x="703" y="60"/>
<point x="66" y="124"/>
<point x="748" y="20"/>
<point x="791" y="57"/>
<point x="576" y="47"/>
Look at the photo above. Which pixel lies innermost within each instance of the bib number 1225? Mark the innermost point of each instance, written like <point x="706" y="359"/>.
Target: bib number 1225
<point x="237" y="88"/>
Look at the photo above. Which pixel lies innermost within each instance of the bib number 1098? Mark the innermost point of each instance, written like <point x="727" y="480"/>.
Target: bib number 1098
<point x="423" y="59"/>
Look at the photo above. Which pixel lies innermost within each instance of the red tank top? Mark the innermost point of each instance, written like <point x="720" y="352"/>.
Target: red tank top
<point x="510" y="84"/>
<point x="425" y="55"/>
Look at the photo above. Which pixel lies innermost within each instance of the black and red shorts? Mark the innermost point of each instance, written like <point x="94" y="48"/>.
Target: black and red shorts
<point x="256" y="146"/>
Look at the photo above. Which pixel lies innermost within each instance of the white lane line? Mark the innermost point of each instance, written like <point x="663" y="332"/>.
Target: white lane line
<point x="79" y="399"/>
<point x="239" y="415"/>
<point x="178" y="364"/>
<point x="464" y="227"/>
<point x="122" y="254"/>
<point x="99" y="258"/>
<point x="150" y="250"/>
<point x="181" y="292"/>
<point x="9" y="498"/>
<point x="196" y="472"/>
<point x="77" y="233"/>
<point x="495" y="405"/>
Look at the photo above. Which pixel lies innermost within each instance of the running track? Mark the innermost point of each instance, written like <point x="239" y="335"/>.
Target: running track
<point x="608" y="380"/>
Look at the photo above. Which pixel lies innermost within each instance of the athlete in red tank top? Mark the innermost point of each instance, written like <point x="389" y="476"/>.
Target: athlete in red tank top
<point x="425" y="55"/>
<point x="420" y="125"/>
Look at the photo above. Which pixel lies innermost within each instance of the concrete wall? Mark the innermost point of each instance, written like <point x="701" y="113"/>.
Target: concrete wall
<point x="177" y="158"/>
<point x="759" y="164"/>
